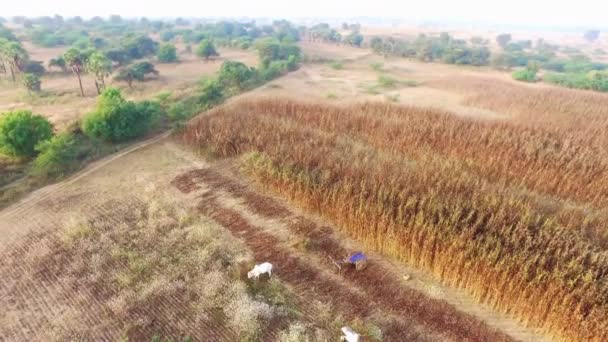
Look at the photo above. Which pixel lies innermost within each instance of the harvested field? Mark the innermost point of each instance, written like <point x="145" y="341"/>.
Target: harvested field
<point x="418" y="185"/>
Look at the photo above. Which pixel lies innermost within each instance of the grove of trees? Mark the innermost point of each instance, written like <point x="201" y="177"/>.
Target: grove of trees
<point x="425" y="48"/>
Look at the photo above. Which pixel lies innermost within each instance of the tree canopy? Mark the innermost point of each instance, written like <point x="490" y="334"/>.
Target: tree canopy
<point x="206" y="49"/>
<point x="100" y="66"/>
<point x="115" y="119"/>
<point x="21" y="131"/>
<point x="167" y="53"/>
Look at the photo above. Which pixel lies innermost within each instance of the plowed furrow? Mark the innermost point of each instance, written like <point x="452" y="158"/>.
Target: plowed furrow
<point x="309" y="281"/>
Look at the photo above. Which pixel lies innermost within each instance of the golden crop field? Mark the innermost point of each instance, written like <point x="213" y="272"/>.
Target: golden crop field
<point x="510" y="210"/>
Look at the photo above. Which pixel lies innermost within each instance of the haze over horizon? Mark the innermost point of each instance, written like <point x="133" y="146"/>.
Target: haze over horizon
<point x="582" y="13"/>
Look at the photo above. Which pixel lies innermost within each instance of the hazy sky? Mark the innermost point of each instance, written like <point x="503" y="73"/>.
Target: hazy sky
<point x="547" y="12"/>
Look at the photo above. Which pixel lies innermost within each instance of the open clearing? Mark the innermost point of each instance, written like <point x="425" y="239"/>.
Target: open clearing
<point x="358" y="79"/>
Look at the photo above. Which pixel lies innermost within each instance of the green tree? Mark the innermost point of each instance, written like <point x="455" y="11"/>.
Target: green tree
<point x="211" y="93"/>
<point x="206" y="49"/>
<point x="57" y="156"/>
<point x="135" y="72"/>
<point x="76" y="61"/>
<point x="21" y="131"/>
<point x="118" y="55"/>
<point x="354" y="39"/>
<point x="59" y="63"/>
<point x="13" y="54"/>
<point x="503" y="39"/>
<point x="167" y="53"/>
<point x="234" y="74"/>
<point x="528" y="74"/>
<point x="6" y="33"/>
<point x="31" y="82"/>
<point x="33" y="67"/>
<point x="115" y="119"/>
<point x="139" y="46"/>
<point x="100" y="66"/>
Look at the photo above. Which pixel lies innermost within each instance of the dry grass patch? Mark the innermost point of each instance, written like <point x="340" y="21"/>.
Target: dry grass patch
<point x="149" y="270"/>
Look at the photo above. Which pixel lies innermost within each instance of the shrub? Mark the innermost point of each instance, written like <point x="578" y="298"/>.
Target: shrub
<point x="386" y="81"/>
<point x="274" y="70"/>
<point x="336" y="65"/>
<point x="114" y="119"/>
<point x="135" y="72"/>
<point x="211" y="93"/>
<point x="57" y="156"/>
<point x="21" y="131"/>
<point x="525" y="75"/>
<point x="31" y="82"/>
<point x="593" y="80"/>
<point x="33" y="67"/>
<point x="167" y="53"/>
<point x="206" y="49"/>
<point x="236" y="75"/>
<point x="377" y="66"/>
<point x="182" y="111"/>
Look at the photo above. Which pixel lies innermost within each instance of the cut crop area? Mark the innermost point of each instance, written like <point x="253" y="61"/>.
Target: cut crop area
<point x="509" y="210"/>
<point x="138" y="271"/>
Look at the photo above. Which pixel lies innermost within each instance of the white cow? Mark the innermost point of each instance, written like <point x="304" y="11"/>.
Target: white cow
<point x="350" y="335"/>
<point x="259" y="270"/>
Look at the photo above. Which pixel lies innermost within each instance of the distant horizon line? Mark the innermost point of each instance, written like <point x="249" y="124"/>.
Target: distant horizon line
<point x="371" y="21"/>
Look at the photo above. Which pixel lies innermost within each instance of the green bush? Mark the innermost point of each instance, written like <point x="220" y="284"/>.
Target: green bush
<point x="386" y="81"/>
<point x="593" y="80"/>
<point x="571" y="80"/>
<point x="167" y="53"/>
<point x="236" y="75"/>
<point x="206" y="49"/>
<point x="31" y="82"/>
<point x="525" y="75"/>
<point x="21" y="131"/>
<point x="114" y="119"/>
<point x="57" y="157"/>
<point x="182" y="111"/>
<point x="211" y="93"/>
<point x="274" y="70"/>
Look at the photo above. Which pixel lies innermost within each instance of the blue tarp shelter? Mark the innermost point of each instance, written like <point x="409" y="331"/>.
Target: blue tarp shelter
<point x="355" y="257"/>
